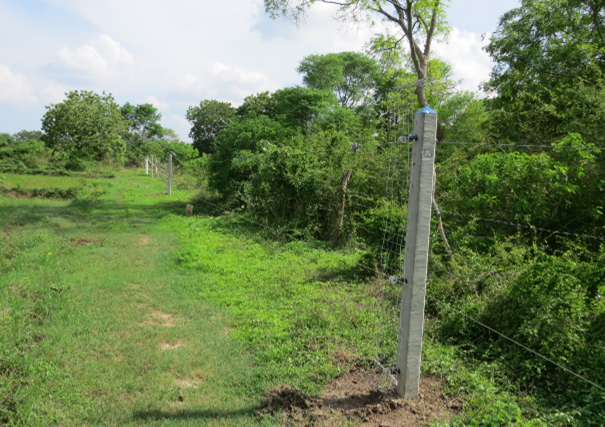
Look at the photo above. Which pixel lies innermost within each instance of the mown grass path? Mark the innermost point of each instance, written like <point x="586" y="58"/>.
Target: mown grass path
<point x="98" y="326"/>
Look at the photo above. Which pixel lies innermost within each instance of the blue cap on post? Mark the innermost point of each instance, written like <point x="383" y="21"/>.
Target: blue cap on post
<point x="427" y="110"/>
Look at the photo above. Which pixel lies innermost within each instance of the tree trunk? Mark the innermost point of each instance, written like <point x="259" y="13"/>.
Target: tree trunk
<point x="422" y="73"/>
<point x="437" y="210"/>
<point x="341" y="212"/>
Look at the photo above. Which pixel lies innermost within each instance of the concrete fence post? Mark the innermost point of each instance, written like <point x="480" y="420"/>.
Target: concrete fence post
<point x="409" y="347"/>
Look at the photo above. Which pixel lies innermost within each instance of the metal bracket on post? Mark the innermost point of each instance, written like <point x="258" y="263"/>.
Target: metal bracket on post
<point x="409" y="347"/>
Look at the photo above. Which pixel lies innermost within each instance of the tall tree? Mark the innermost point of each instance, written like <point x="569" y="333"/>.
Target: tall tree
<point x="549" y="79"/>
<point x="350" y="75"/>
<point x="262" y="104"/>
<point x="300" y="106"/>
<point x="207" y="120"/>
<point x="142" y="121"/>
<point x="86" y="124"/>
<point x="418" y="21"/>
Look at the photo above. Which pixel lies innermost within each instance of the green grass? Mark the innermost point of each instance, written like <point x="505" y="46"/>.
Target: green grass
<point x="306" y="313"/>
<point x="104" y="330"/>
<point x="42" y="181"/>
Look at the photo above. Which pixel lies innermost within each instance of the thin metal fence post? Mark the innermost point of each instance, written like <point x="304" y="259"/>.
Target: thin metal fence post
<point x="152" y="166"/>
<point x="409" y="347"/>
<point x="146" y="165"/>
<point x="169" y="174"/>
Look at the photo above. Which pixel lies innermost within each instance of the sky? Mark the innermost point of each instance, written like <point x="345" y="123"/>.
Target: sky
<point x="176" y="53"/>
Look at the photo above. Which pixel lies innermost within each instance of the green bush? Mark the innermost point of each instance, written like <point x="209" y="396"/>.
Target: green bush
<point x="553" y="305"/>
<point x="75" y="165"/>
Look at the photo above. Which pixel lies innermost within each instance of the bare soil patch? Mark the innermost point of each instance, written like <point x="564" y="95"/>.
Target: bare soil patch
<point x="159" y="318"/>
<point x="188" y="382"/>
<point x="351" y="398"/>
<point x="145" y="240"/>
<point x="168" y="346"/>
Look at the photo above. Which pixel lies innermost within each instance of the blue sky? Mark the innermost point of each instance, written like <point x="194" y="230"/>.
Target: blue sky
<point x="176" y="53"/>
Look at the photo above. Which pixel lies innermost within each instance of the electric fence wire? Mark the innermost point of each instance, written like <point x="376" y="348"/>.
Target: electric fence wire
<point x="553" y="147"/>
<point x="388" y="278"/>
<point x="552" y="232"/>
<point x="275" y="154"/>
<point x="539" y="248"/>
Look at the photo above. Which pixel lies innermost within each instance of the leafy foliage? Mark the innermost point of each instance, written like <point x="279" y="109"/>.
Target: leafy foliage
<point x="549" y="79"/>
<point x="207" y="120"/>
<point x="86" y="125"/>
<point x="350" y="75"/>
<point x="261" y="103"/>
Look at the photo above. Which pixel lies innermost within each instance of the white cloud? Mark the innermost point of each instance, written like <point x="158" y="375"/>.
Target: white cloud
<point x="241" y="82"/>
<point x="179" y="124"/>
<point x="191" y="84"/>
<point x="15" y="88"/>
<point x="100" y="58"/>
<point x="319" y="29"/>
<point x="226" y="82"/>
<point x="469" y="61"/>
<point x="153" y="100"/>
<point x="53" y="93"/>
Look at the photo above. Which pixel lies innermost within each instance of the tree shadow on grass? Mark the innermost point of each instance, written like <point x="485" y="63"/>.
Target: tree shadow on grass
<point x="159" y="415"/>
<point x="342" y="273"/>
<point x="78" y="212"/>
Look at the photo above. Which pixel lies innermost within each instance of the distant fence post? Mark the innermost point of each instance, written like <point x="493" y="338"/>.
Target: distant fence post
<point x="409" y="347"/>
<point x="169" y="174"/>
<point x="152" y="166"/>
<point x="146" y="165"/>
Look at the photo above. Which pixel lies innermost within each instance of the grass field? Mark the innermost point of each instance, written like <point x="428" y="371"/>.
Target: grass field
<point x="42" y="181"/>
<point x="109" y="306"/>
<point x="99" y="327"/>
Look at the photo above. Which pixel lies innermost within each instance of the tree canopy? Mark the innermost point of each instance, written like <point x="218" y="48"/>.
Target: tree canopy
<point x="86" y="124"/>
<point x="207" y="120"/>
<point x="417" y="21"/>
<point x="350" y="75"/>
<point x="549" y="75"/>
<point x="262" y="104"/>
<point x="142" y="121"/>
